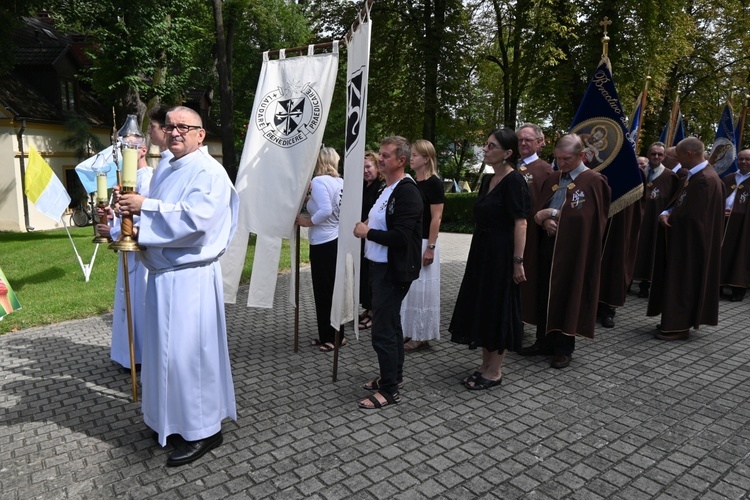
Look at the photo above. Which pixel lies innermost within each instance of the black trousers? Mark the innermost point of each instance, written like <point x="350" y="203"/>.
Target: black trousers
<point x="387" y="335"/>
<point x="323" y="270"/>
<point x="555" y="340"/>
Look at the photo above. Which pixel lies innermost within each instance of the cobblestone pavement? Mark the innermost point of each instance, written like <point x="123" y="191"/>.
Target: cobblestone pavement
<point x="632" y="417"/>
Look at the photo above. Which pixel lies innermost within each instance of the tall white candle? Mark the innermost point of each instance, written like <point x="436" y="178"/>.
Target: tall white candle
<point x="101" y="188"/>
<point x="129" y="167"/>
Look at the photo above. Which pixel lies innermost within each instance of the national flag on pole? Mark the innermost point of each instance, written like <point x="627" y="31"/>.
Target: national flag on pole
<point x="635" y="123"/>
<point x="284" y="136"/>
<point x="43" y="188"/>
<point x="674" y="130"/>
<point x="87" y="169"/>
<point x="602" y="125"/>
<point x="724" y="153"/>
<point x="346" y="285"/>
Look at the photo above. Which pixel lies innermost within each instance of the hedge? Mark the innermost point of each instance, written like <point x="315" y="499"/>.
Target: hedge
<point x="458" y="213"/>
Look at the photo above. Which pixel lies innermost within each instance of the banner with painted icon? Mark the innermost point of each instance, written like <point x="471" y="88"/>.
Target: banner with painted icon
<point x="601" y="124"/>
<point x="724" y="152"/>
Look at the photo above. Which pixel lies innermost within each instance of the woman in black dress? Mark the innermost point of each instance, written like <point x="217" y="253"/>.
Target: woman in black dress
<point x="488" y="307"/>
<point x="372" y="185"/>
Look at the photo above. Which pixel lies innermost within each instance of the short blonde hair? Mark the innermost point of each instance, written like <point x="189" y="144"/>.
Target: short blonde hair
<point x="328" y="162"/>
<point x="425" y="148"/>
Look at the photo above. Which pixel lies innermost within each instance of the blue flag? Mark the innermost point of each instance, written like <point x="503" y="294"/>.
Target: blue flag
<point x="104" y="161"/>
<point x="724" y="153"/>
<point x="602" y="125"/>
<point x="635" y="123"/>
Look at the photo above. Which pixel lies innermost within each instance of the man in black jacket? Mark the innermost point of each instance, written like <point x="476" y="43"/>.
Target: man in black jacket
<point x="394" y="248"/>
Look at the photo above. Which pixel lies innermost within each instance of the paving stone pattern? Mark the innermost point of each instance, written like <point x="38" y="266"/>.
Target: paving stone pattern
<point x="631" y="418"/>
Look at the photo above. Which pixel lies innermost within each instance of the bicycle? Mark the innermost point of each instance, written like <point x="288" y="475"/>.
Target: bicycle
<point x="81" y="215"/>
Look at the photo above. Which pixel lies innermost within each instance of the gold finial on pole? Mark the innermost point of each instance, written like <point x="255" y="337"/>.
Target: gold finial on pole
<point x="605" y="39"/>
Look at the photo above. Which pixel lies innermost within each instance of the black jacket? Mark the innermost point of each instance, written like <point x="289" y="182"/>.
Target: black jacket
<point x="403" y="218"/>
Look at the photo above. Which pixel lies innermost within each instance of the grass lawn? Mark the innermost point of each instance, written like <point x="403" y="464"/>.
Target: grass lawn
<point x="42" y="269"/>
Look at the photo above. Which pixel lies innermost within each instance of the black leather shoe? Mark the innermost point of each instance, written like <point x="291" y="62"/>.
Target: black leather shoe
<point x="560" y="361"/>
<point x="608" y="321"/>
<point x="643" y="293"/>
<point x="535" y="349"/>
<point x="190" y="451"/>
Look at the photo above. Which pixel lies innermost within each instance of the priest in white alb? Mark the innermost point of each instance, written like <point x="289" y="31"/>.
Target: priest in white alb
<point x="186" y="223"/>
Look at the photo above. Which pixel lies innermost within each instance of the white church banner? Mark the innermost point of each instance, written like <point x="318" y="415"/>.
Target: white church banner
<point x="346" y="287"/>
<point x="283" y="139"/>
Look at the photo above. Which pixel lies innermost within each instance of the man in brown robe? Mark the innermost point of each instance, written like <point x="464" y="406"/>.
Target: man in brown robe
<point x="660" y="187"/>
<point x="570" y="216"/>
<point x="735" y="247"/>
<point x="535" y="171"/>
<point x="685" y="280"/>
<point x="673" y="164"/>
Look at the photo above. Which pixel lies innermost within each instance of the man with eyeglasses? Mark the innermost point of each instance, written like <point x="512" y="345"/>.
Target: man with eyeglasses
<point x="660" y="185"/>
<point x="186" y="223"/>
<point x="535" y="171"/>
<point x="569" y="221"/>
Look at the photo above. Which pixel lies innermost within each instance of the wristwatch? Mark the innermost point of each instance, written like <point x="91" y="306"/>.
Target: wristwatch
<point x="554" y="213"/>
<point x="431" y="245"/>
<point x="517" y="260"/>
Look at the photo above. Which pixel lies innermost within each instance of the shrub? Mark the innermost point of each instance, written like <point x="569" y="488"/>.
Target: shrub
<point x="458" y="213"/>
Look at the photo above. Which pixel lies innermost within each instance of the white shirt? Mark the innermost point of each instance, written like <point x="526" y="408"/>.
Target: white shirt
<point x="529" y="159"/>
<point x="324" y="206"/>
<point x="738" y="179"/>
<point x="691" y="173"/>
<point x="657" y="172"/>
<point x="376" y="252"/>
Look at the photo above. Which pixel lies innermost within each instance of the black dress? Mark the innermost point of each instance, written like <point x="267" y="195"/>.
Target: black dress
<point x="488" y="307"/>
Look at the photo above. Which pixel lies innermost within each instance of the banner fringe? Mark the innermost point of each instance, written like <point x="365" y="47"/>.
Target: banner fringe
<point x="626" y="200"/>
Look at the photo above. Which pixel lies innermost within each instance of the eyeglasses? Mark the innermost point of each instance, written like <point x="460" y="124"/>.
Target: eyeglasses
<point x="181" y="128"/>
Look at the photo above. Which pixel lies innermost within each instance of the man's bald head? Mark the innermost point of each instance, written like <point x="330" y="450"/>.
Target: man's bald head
<point x="690" y="152"/>
<point x="743" y="161"/>
<point x="670" y="158"/>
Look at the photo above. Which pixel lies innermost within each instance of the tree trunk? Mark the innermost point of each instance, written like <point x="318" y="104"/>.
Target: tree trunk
<point x="434" y="24"/>
<point x="225" y="95"/>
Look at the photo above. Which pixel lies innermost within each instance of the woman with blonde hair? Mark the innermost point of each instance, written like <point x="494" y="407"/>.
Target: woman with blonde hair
<point x="420" y="310"/>
<point x="324" y="206"/>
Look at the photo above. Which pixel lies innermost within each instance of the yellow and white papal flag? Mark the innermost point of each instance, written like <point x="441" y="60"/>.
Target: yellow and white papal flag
<point x="43" y="188"/>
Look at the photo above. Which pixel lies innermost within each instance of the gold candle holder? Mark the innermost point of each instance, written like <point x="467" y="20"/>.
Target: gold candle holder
<point x="101" y="203"/>
<point x="131" y="139"/>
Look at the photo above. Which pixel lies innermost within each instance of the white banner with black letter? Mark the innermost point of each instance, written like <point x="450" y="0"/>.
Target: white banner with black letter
<point x="346" y="286"/>
<point x="283" y="139"/>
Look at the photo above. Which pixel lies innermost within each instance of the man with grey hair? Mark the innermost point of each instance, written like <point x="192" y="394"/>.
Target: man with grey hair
<point x="393" y="247"/>
<point x="685" y="284"/>
<point x="534" y="171"/>
<point x="186" y="224"/>
<point x="569" y="221"/>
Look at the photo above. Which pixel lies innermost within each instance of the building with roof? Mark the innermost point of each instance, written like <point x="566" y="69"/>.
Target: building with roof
<point x="44" y="103"/>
